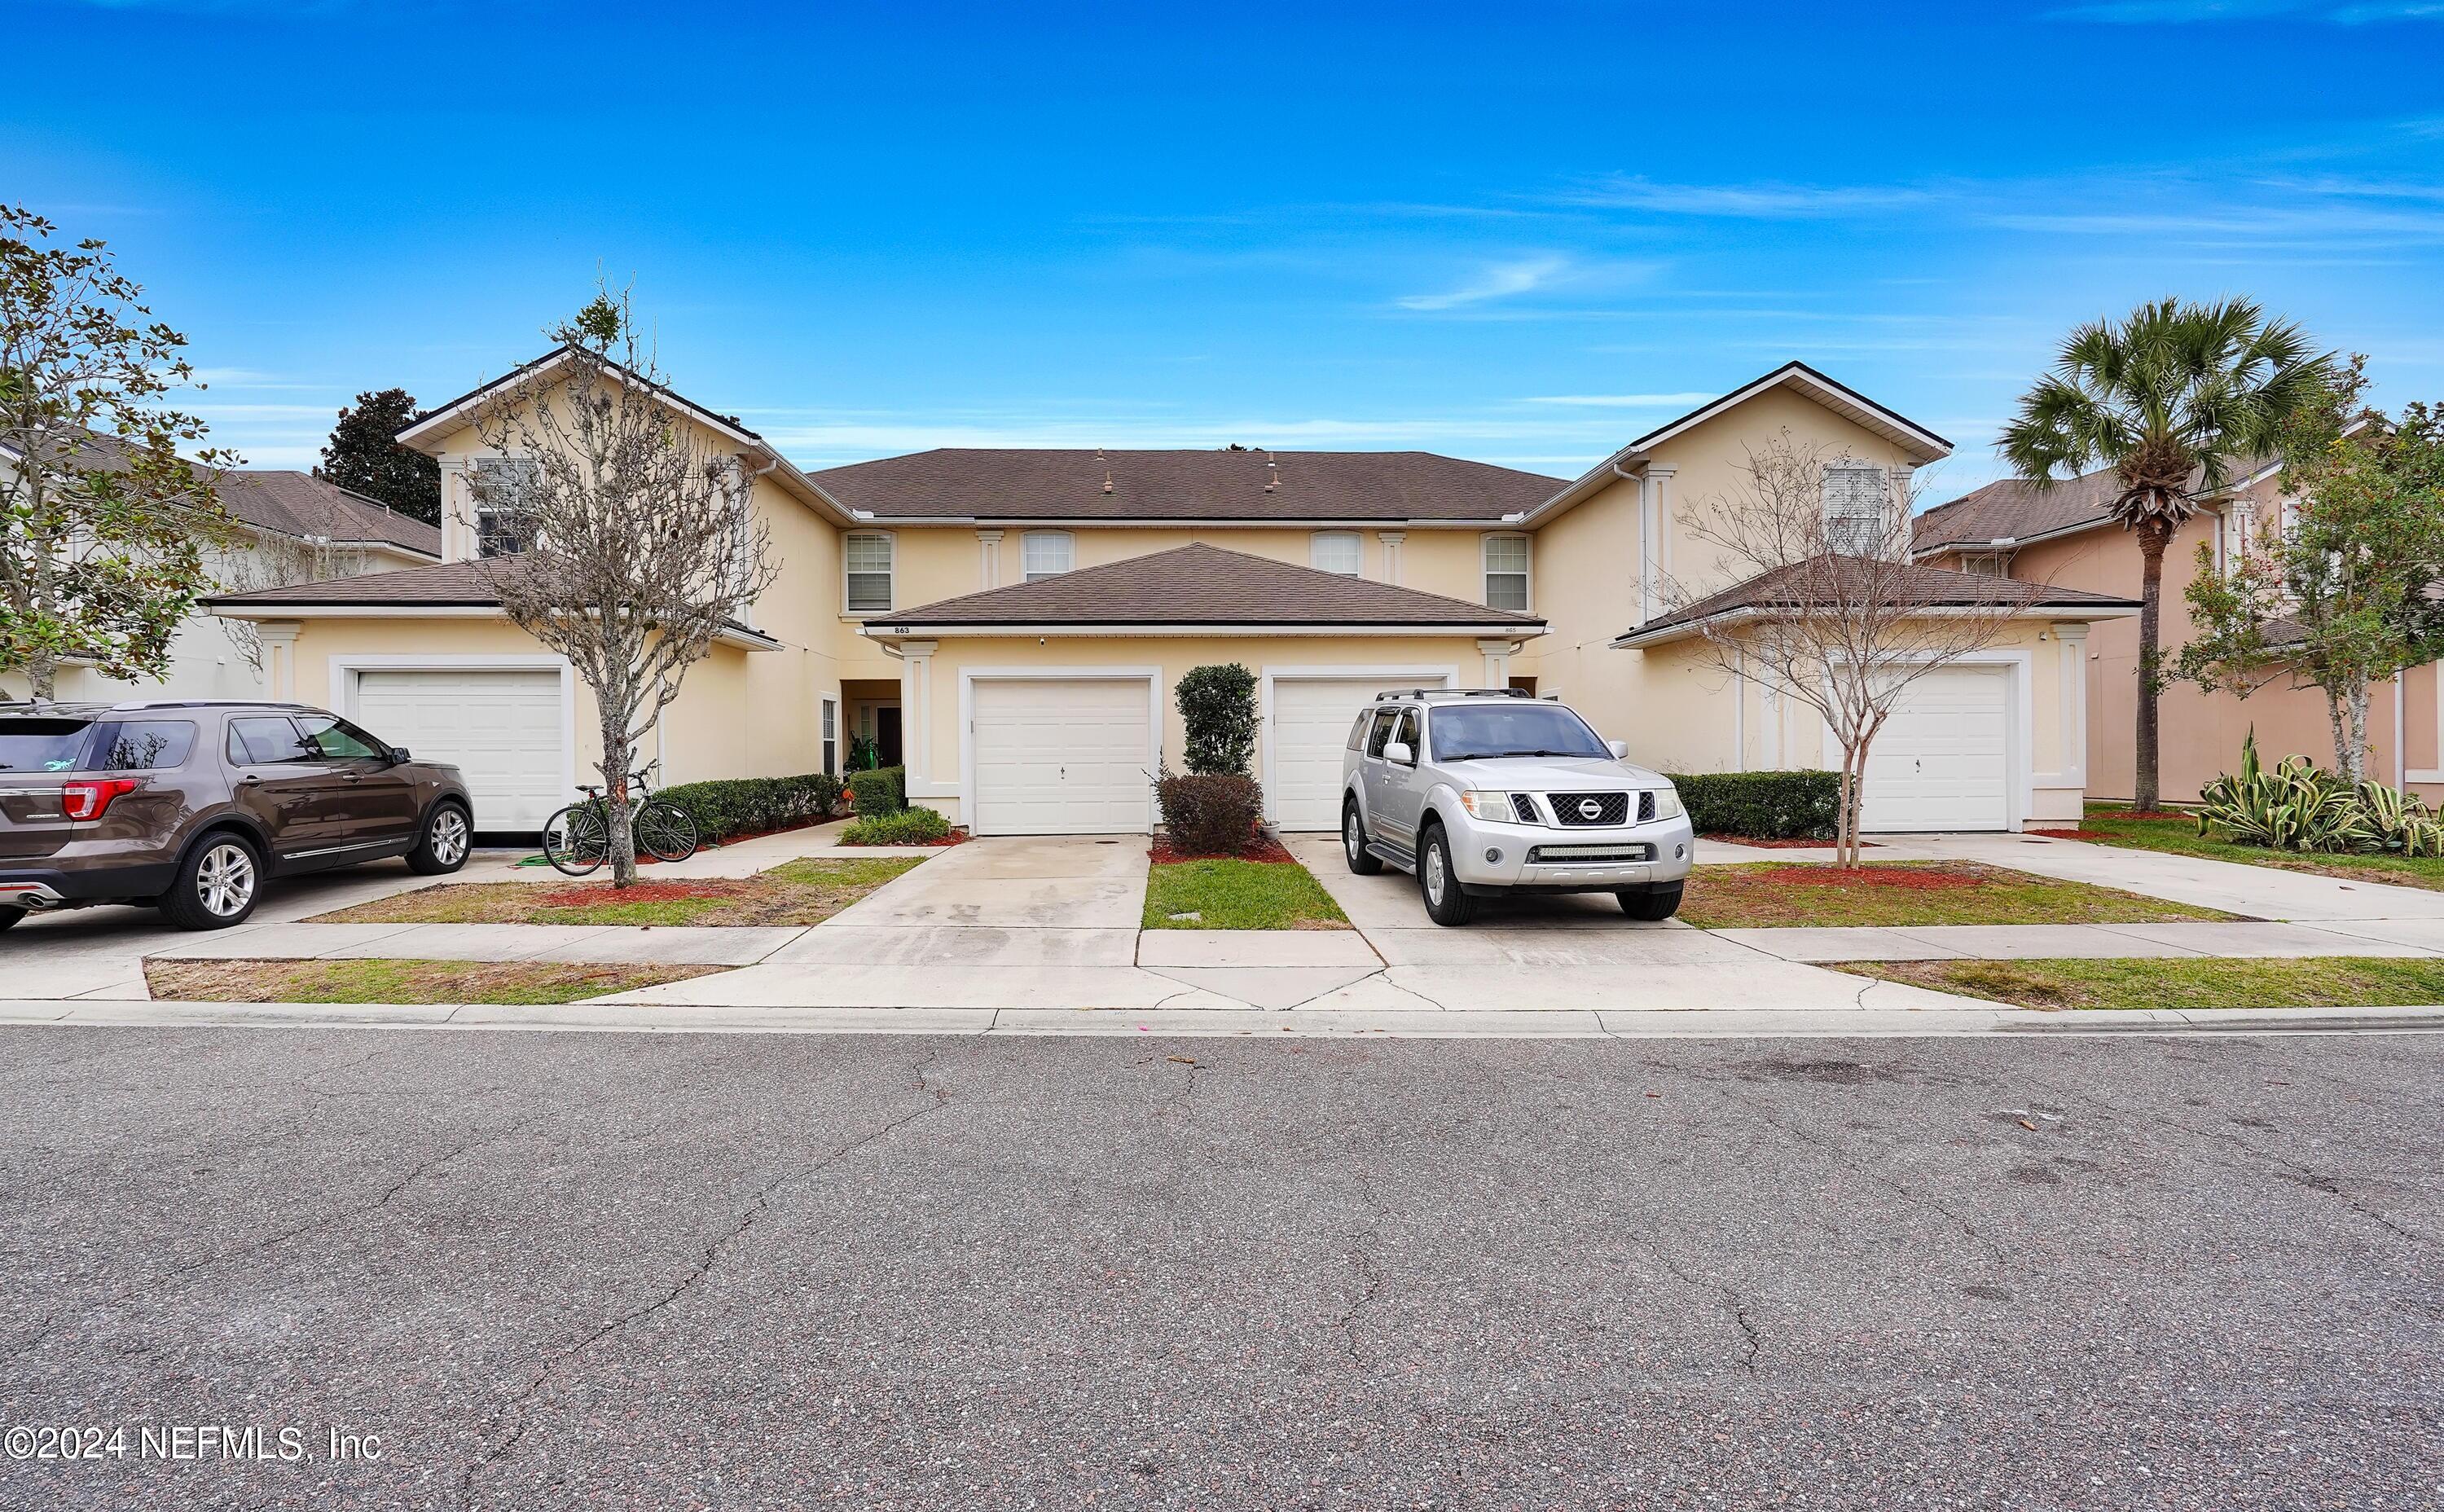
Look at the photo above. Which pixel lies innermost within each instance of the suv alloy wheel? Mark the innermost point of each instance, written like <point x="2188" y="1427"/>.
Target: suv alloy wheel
<point x="1363" y="862"/>
<point x="1446" y="904"/>
<point x="217" y="884"/>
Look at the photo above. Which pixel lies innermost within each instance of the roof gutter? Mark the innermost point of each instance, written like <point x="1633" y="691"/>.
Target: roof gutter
<point x="1682" y="630"/>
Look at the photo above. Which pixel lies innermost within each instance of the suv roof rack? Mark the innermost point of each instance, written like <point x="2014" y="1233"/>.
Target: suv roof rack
<point x="1452" y="692"/>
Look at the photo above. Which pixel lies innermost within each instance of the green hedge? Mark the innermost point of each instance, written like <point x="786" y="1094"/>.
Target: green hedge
<point x="731" y="806"/>
<point x="883" y="791"/>
<point x="1763" y="805"/>
<point x="909" y="826"/>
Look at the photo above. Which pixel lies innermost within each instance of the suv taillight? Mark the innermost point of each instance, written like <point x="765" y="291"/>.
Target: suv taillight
<point x="84" y="801"/>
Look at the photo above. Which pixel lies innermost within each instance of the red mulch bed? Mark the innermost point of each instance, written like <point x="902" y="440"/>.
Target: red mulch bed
<point x="956" y="836"/>
<point x="1264" y="848"/>
<point x="2152" y="813"/>
<point x="1908" y="878"/>
<point x="2071" y="834"/>
<point x="1778" y="845"/>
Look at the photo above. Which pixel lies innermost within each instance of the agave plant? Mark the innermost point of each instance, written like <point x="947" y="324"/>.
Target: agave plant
<point x="2293" y="806"/>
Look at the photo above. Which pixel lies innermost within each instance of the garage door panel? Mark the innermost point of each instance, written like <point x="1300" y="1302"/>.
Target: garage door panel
<point x="1062" y="756"/>
<point x="501" y="727"/>
<point x="1943" y="761"/>
<point x="1310" y="730"/>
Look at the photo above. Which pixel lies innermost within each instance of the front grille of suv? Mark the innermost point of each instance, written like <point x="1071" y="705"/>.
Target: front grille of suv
<point x="1610" y="808"/>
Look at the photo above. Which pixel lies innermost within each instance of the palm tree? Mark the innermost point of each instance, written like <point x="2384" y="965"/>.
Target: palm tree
<point x="2171" y="399"/>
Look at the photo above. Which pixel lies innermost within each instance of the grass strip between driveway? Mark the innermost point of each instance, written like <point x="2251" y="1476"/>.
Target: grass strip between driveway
<point x="399" y="981"/>
<point x="800" y="891"/>
<point x="1897" y="894"/>
<point x="1229" y="894"/>
<point x="2180" y="837"/>
<point x="2287" y="981"/>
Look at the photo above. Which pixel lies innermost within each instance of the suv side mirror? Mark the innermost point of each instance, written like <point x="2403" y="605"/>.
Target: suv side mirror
<point x="398" y="754"/>
<point x="1620" y="749"/>
<point x="1399" y="753"/>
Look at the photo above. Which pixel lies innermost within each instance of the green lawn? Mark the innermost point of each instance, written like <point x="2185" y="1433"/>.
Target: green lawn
<point x="2305" y="982"/>
<point x="2181" y="838"/>
<point x="799" y="891"/>
<point x="1238" y="895"/>
<point x="1899" y="893"/>
<point x="399" y="981"/>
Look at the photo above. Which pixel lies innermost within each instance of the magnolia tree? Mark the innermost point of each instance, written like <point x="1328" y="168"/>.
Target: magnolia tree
<point x="641" y="544"/>
<point x="109" y="529"/>
<point x="2344" y="593"/>
<point x="1829" y="613"/>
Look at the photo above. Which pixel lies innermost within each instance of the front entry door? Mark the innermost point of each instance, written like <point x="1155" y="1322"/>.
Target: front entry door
<point x="886" y="734"/>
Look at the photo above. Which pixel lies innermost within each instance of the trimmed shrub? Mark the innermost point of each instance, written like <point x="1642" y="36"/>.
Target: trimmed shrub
<point x="1209" y="813"/>
<point x="1218" y="705"/>
<point x="731" y="806"/>
<point x="1764" y="806"/>
<point x="883" y="790"/>
<point x="909" y="826"/>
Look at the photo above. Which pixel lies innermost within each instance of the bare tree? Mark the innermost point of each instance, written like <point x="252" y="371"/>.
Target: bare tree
<point x="1825" y="608"/>
<point x="641" y="542"/>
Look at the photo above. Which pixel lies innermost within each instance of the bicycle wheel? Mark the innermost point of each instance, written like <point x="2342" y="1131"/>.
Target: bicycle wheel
<point x="576" y="839"/>
<point x="665" y="831"/>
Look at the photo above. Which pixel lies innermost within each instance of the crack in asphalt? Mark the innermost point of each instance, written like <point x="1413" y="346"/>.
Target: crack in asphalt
<point x="1370" y="1273"/>
<point x="1733" y="1301"/>
<point x="272" y="1242"/>
<point x="756" y="1207"/>
<point x="2306" y="1175"/>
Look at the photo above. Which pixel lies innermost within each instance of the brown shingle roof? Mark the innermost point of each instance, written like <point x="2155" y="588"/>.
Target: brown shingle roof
<point x="1204" y="585"/>
<point x="291" y="504"/>
<point x="1015" y="484"/>
<point x="444" y="585"/>
<point x="2016" y="509"/>
<point x="1811" y="581"/>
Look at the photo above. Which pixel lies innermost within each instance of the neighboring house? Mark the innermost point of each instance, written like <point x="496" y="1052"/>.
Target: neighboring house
<point x="285" y="527"/>
<point x="1009" y="625"/>
<point x="2066" y="535"/>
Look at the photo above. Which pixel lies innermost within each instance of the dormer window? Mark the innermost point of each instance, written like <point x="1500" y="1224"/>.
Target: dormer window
<point x="1046" y="554"/>
<point x="1334" y="551"/>
<point x="502" y="484"/>
<point x="1856" y="510"/>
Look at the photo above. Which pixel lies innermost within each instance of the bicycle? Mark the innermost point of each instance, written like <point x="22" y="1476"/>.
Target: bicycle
<point x="577" y="839"/>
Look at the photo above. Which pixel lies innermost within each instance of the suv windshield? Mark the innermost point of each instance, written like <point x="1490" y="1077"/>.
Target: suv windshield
<point x="1514" y="727"/>
<point x="42" y="745"/>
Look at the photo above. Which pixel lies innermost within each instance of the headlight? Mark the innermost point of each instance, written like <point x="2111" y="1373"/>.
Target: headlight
<point x="1488" y="805"/>
<point x="1667" y="803"/>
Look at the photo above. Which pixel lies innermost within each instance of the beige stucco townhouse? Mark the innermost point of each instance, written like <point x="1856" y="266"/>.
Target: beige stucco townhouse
<point x="2066" y="535"/>
<point x="1009" y="625"/>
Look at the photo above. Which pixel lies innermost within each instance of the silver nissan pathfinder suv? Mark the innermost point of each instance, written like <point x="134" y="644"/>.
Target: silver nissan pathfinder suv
<point x="1493" y="791"/>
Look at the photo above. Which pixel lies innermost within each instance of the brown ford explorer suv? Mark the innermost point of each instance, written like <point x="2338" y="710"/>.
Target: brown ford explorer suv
<point x="191" y="805"/>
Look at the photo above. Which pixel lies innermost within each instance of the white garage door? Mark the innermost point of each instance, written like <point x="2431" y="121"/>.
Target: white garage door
<point x="1063" y="756"/>
<point x="501" y="729"/>
<point x="1311" y="726"/>
<point x="1943" y="761"/>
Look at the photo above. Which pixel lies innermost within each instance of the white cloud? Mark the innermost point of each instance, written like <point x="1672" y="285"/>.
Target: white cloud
<point x="1497" y="280"/>
<point x="1755" y="201"/>
<point x="2187" y="12"/>
<point x="1622" y="401"/>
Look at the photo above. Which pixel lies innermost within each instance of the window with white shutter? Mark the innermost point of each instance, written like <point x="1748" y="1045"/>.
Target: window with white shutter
<point x="1855" y="506"/>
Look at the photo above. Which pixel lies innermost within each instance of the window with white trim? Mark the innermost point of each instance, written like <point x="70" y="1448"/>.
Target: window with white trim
<point x="1334" y="551"/>
<point x="830" y="716"/>
<point x="1855" y="505"/>
<point x="865" y="559"/>
<point x="1046" y="554"/>
<point x="501" y="485"/>
<point x="1506" y="573"/>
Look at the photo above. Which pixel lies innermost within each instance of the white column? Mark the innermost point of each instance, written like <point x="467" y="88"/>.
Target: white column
<point x="989" y="564"/>
<point x="1661" y="480"/>
<point x="458" y="532"/>
<point x="917" y="709"/>
<point x="1900" y="528"/>
<point x="1497" y="662"/>
<point x="1646" y="490"/>
<point x="2074" y="704"/>
<point x="1392" y="540"/>
<point x="279" y="640"/>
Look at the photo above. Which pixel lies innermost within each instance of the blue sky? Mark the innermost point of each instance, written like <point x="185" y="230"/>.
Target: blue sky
<point x="1523" y="233"/>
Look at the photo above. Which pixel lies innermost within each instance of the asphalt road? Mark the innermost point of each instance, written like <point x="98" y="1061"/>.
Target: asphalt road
<point x="560" y="1270"/>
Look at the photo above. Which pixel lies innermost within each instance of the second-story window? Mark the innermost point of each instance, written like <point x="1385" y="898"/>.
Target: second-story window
<point x="1046" y="554"/>
<point x="502" y="528"/>
<point x="1856" y="510"/>
<point x="1506" y="573"/>
<point x="866" y="555"/>
<point x="1333" y="551"/>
